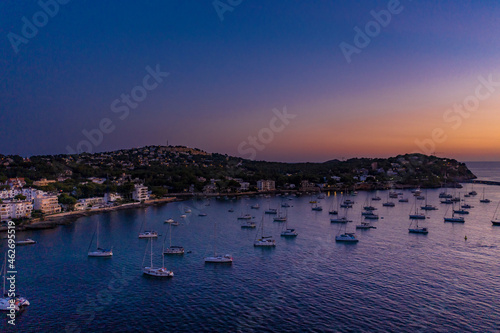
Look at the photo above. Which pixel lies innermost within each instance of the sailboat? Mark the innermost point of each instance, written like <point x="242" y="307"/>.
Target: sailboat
<point x="484" y="200"/>
<point x="99" y="252"/>
<point x="271" y="211"/>
<point x="346" y="203"/>
<point x="248" y="225"/>
<point x="346" y="237"/>
<point x="458" y="219"/>
<point x="159" y="271"/>
<point x="416" y="215"/>
<point x="388" y="203"/>
<point x="427" y="206"/>
<point x="496" y="220"/>
<point x="172" y="249"/>
<point x="264" y="241"/>
<point x="7" y="303"/>
<point x="317" y="208"/>
<point x="342" y="219"/>
<point x="148" y="233"/>
<point x="288" y="232"/>
<point x="367" y="206"/>
<point x="367" y="225"/>
<point x="417" y="229"/>
<point x="371" y="216"/>
<point x="282" y="217"/>
<point x="222" y="259"/>
<point x="333" y="211"/>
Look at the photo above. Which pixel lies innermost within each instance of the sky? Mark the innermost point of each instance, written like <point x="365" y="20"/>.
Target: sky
<point x="268" y="80"/>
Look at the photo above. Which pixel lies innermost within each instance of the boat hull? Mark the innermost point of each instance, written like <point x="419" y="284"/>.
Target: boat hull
<point x="423" y="231"/>
<point x="454" y="220"/>
<point x="101" y="254"/>
<point x="157" y="272"/>
<point x="219" y="260"/>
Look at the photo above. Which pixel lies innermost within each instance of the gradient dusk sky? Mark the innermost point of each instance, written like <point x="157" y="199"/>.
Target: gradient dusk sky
<point x="226" y="77"/>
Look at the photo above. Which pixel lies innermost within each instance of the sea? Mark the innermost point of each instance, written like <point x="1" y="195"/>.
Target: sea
<point x="390" y="281"/>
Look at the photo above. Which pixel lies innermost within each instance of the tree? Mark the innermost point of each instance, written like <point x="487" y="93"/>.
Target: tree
<point x="20" y="197"/>
<point x="66" y="199"/>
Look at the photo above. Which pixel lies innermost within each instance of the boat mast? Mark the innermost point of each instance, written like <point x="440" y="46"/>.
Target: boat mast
<point x="97" y="239"/>
<point x="151" y="252"/>
<point x="215" y="238"/>
<point x="163" y="254"/>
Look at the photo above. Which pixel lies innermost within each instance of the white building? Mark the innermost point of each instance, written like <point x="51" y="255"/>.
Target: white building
<point x="47" y="203"/>
<point x="29" y="193"/>
<point x="244" y="186"/>
<point x="88" y="203"/>
<point x="112" y="197"/>
<point x="266" y="185"/>
<point x="140" y="193"/>
<point x="14" y="209"/>
<point x="7" y="194"/>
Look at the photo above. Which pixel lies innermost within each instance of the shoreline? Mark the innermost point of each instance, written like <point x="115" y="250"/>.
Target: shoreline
<point x="66" y="218"/>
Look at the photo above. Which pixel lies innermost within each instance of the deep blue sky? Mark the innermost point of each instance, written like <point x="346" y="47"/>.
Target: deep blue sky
<point x="227" y="76"/>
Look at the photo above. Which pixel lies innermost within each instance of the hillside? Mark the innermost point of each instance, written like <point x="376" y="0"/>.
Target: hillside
<point x="181" y="169"/>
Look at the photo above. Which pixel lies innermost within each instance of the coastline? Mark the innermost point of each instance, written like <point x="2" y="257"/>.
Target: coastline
<point x="65" y="218"/>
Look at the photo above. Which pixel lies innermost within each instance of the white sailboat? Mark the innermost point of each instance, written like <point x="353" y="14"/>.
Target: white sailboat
<point x="215" y="259"/>
<point x="416" y="215"/>
<point x="99" y="252"/>
<point x="282" y="216"/>
<point x="288" y="232"/>
<point x="264" y="241"/>
<point x="7" y="303"/>
<point x="159" y="271"/>
<point x="346" y="237"/>
<point x="148" y="233"/>
<point x="172" y="249"/>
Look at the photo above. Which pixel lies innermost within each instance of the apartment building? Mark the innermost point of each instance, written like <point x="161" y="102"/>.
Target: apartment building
<point x="140" y="193"/>
<point x="47" y="203"/>
<point x="14" y="209"/>
<point x="266" y="185"/>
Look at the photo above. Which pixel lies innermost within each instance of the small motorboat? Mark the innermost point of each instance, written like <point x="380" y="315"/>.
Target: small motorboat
<point x="148" y="234"/>
<point x="346" y="238"/>
<point x="225" y="259"/>
<point x="27" y="241"/>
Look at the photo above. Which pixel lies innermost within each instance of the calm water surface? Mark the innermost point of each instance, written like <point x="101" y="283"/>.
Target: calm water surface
<point x="391" y="281"/>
